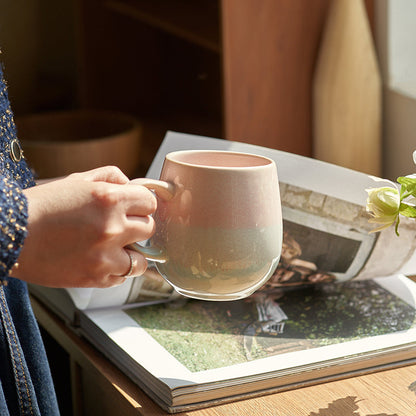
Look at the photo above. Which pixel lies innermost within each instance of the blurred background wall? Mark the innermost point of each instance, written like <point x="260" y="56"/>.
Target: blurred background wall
<point x="55" y="52"/>
<point x="39" y="53"/>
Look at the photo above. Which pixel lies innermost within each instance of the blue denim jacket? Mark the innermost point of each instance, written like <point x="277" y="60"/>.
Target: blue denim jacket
<point x="26" y="387"/>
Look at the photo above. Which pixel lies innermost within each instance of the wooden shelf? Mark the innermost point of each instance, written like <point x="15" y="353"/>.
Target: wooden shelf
<point x="155" y="128"/>
<point x="247" y="68"/>
<point x="194" y="21"/>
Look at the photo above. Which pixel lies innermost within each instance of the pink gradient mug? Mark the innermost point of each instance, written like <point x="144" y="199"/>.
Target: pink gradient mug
<point x="218" y="223"/>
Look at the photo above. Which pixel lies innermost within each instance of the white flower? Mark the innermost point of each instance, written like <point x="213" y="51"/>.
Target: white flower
<point x="383" y="204"/>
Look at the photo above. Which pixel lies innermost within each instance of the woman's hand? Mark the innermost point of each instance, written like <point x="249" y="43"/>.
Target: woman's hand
<point x="78" y="228"/>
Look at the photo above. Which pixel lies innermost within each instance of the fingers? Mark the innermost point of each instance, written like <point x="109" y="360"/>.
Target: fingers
<point x="140" y="204"/>
<point x="138" y="229"/>
<point x="111" y="174"/>
<point x="133" y="264"/>
<point x="139" y="200"/>
<point x="137" y="264"/>
<point x="133" y="200"/>
<point x="136" y="205"/>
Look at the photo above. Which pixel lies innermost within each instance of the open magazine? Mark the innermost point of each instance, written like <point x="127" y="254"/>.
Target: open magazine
<point x="336" y="304"/>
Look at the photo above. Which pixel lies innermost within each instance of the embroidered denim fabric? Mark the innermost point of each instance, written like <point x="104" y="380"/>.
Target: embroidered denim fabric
<point x="26" y="387"/>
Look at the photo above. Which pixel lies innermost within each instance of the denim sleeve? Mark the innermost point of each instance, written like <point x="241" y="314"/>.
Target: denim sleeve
<point x="13" y="224"/>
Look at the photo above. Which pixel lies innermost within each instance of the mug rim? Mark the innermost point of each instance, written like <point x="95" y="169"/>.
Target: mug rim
<point x="171" y="156"/>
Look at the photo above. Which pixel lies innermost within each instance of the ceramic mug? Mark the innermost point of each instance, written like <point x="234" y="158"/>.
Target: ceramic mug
<point x="218" y="223"/>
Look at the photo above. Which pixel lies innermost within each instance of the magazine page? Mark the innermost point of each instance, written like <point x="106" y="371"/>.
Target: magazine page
<point x="192" y="351"/>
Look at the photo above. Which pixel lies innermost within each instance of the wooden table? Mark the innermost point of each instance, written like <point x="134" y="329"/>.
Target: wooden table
<point x="100" y="388"/>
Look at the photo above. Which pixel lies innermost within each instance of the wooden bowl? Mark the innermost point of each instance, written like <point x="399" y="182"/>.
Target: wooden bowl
<point x="59" y="143"/>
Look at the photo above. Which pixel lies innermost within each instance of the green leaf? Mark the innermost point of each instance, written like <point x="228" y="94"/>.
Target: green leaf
<point x="408" y="180"/>
<point x="408" y="185"/>
<point x="407" y="211"/>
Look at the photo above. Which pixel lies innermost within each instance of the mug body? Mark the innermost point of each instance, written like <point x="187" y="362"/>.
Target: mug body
<point x="222" y="230"/>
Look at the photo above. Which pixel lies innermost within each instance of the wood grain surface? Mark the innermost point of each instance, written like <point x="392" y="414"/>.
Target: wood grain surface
<point x="347" y="94"/>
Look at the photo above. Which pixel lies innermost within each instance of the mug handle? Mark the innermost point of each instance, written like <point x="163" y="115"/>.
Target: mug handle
<point x="166" y="191"/>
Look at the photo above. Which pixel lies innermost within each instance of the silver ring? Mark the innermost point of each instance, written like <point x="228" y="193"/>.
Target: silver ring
<point x="130" y="271"/>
